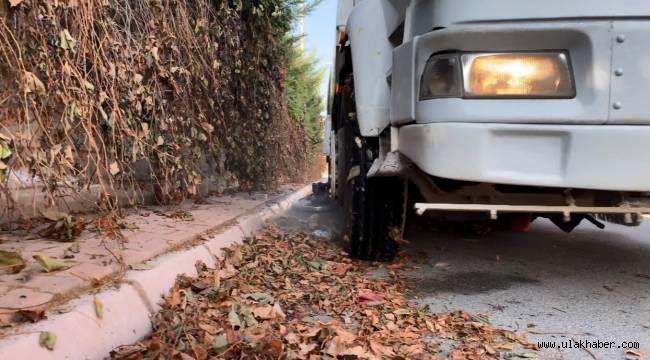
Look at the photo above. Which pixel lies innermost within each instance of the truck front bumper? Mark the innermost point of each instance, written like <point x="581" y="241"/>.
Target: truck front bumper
<point x="600" y="157"/>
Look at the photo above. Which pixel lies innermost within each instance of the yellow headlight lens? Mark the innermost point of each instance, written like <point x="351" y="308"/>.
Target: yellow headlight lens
<point x="517" y="75"/>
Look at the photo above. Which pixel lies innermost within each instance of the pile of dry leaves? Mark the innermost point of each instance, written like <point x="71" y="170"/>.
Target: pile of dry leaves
<point x="289" y="296"/>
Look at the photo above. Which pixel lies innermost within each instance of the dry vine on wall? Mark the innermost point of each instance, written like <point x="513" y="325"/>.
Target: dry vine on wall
<point x="159" y="96"/>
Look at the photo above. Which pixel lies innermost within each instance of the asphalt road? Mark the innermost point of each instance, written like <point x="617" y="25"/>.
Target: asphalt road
<point x="590" y="284"/>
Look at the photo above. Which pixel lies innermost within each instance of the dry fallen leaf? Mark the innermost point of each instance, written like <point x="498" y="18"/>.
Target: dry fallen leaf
<point x="53" y="214"/>
<point x="264" y="312"/>
<point x="114" y="168"/>
<point x="340" y="269"/>
<point x="147" y="265"/>
<point x="306" y="348"/>
<point x="99" y="308"/>
<point x="292" y="338"/>
<point x="32" y="315"/>
<point x="66" y="41"/>
<point x="64" y="227"/>
<point x="11" y="262"/>
<point x="380" y="350"/>
<point x="233" y="319"/>
<point x="49" y="264"/>
<point x="32" y="84"/>
<point x="220" y="343"/>
<point x="370" y="298"/>
<point x="636" y="353"/>
<point x="357" y="351"/>
<point x="47" y="340"/>
<point x="127" y="351"/>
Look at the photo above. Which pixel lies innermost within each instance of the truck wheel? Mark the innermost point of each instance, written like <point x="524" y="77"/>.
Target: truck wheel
<point x="372" y="206"/>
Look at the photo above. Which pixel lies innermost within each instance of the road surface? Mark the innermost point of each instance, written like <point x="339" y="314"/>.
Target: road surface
<point x="554" y="285"/>
<point x="588" y="285"/>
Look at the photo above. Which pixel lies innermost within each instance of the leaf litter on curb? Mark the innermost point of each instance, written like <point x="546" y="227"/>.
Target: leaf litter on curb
<point x="282" y="295"/>
<point x="64" y="227"/>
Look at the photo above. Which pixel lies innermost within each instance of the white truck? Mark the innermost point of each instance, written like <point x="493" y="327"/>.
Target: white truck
<point x="502" y="110"/>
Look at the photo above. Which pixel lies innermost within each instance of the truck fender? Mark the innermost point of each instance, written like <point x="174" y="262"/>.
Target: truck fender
<point x="368" y="28"/>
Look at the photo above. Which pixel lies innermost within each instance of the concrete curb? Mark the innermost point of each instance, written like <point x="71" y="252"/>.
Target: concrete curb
<point x="81" y="335"/>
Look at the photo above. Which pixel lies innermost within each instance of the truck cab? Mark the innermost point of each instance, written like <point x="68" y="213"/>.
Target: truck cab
<point x="500" y="111"/>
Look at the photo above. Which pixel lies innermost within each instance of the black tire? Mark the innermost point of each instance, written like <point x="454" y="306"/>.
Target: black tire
<point x="372" y="207"/>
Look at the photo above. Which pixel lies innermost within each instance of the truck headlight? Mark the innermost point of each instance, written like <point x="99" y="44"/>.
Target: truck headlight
<point x="507" y="75"/>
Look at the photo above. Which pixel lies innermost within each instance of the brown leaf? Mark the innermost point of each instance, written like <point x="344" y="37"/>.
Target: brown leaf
<point x="185" y="356"/>
<point x="128" y="352"/>
<point x="274" y="347"/>
<point x="174" y="298"/>
<point x="114" y="168"/>
<point x="234" y="257"/>
<point x="31" y="315"/>
<point x="200" y="352"/>
<point x="264" y="312"/>
<point x="305" y="349"/>
<point x="341" y="342"/>
<point x="413" y="351"/>
<point x="507" y="346"/>
<point x="357" y="351"/>
<point x="210" y="329"/>
<point x="207" y="127"/>
<point x="346" y="336"/>
<point x="381" y="350"/>
<point x="310" y="331"/>
<point x="340" y="269"/>
<point x="32" y="84"/>
<point x="228" y="272"/>
<point x="292" y="338"/>
<point x="53" y="214"/>
<point x="636" y="353"/>
<point x="336" y="346"/>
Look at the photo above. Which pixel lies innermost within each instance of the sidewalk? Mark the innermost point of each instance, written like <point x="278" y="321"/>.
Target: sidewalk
<point x="128" y="290"/>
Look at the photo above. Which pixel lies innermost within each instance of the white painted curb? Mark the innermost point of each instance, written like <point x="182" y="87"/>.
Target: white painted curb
<point x="81" y="335"/>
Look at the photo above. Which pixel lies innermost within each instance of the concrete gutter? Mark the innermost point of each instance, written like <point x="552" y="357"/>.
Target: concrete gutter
<point x="81" y="335"/>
